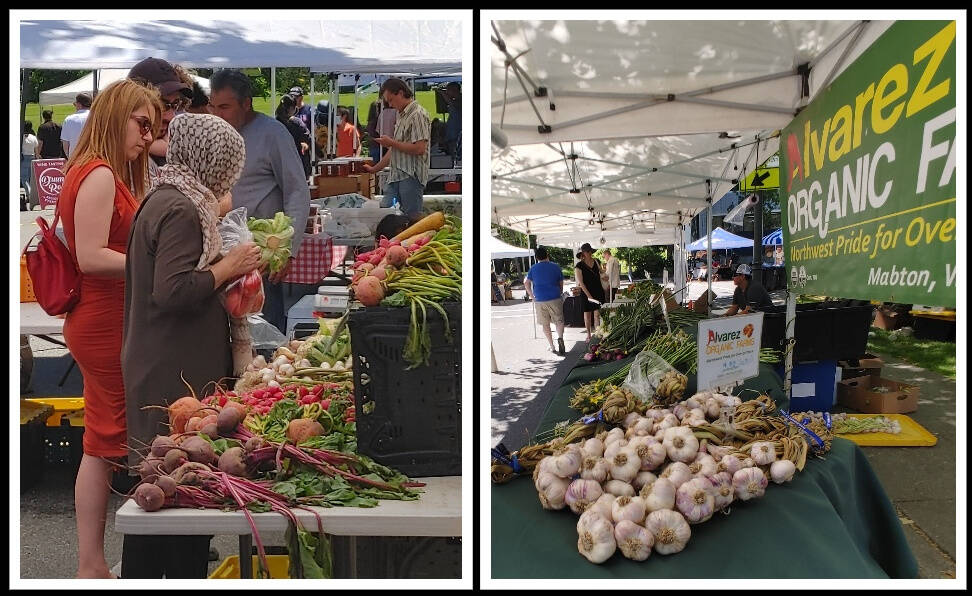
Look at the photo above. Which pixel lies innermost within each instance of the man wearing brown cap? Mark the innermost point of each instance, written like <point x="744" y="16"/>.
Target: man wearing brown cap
<point x="176" y="95"/>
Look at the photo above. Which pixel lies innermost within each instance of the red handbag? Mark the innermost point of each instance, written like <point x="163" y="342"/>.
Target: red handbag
<point x="53" y="272"/>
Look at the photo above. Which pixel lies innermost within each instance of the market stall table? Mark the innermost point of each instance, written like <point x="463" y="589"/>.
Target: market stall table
<point x="833" y="520"/>
<point x="438" y="512"/>
<point x="34" y="321"/>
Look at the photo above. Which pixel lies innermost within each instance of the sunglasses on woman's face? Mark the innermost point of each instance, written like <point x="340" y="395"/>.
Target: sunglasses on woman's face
<point x="144" y="124"/>
<point x="176" y="106"/>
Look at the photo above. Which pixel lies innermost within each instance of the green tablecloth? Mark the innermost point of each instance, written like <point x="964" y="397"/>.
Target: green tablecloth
<point x="833" y="520"/>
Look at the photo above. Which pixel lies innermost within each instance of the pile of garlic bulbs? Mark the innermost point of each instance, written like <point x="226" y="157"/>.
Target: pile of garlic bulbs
<point x="639" y="487"/>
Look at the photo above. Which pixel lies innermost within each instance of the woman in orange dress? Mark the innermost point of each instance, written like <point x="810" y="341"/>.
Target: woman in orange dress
<point x="106" y="176"/>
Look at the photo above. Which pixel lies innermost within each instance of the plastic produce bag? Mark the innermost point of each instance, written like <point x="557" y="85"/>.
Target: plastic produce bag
<point x="265" y="336"/>
<point x="655" y="381"/>
<point x="244" y="295"/>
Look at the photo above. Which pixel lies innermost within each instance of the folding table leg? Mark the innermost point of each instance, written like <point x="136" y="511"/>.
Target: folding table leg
<point x="246" y="566"/>
<point x="66" y="373"/>
<point x="344" y="556"/>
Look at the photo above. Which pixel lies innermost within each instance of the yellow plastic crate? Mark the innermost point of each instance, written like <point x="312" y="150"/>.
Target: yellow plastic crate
<point x="912" y="434"/>
<point x="230" y="567"/>
<point x="26" y="285"/>
<point x="71" y="407"/>
<point x="30" y="411"/>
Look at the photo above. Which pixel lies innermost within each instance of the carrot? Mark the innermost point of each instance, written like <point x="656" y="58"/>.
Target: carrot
<point x="427" y="223"/>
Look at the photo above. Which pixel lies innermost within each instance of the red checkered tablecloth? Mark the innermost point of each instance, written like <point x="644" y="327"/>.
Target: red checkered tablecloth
<point x="316" y="257"/>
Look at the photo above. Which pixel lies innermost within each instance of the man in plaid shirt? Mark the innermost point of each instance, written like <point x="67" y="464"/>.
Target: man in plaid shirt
<point x="408" y="152"/>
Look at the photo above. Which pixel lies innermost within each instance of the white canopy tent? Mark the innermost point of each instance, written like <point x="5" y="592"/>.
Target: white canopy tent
<point x="663" y="115"/>
<point x="106" y="76"/>
<point x="501" y="250"/>
<point x="391" y="47"/>
<point x="413" y="47"/>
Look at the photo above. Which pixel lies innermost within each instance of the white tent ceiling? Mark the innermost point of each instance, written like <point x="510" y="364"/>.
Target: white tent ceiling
<point x="106" y="76"/>
<point x="399" y="46"/>
<point x="645" y="95"/>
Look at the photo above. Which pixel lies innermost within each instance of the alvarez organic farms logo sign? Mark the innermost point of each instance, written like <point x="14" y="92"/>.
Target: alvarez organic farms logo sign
<point x="868" y="171"/>
<point x="728" y="350"/>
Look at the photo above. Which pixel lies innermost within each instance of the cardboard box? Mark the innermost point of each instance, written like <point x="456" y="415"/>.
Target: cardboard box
<point x="887" y="319"/>
<point x="366" y="184"/>
<point x="329" y="186"/>
<point x="857" y="394"/>
<point x="701" y="304"/>
<point x="866" y="365"/>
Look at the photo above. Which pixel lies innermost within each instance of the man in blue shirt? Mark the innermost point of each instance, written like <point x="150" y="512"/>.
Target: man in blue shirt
<point x="545" y="286"/>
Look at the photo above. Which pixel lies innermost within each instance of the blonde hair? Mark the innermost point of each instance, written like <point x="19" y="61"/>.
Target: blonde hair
<point x="104" y="133"/>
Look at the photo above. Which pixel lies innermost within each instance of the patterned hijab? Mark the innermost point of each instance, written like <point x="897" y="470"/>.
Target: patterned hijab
<point x="204" y="161"/>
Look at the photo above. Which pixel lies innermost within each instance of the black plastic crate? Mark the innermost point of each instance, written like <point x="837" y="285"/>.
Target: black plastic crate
<point x="63" y="445"/>
<point x="33" y="420"/>
<point x="408" y="557"/>
<point x="934" y="329"/>
<point x="414" y="425"/>
<point x="835" y="330"/>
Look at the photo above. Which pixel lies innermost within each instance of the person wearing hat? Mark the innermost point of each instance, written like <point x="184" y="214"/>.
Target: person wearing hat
<point x="587" y="273"/>
<point x="749" y="296"/>
<point x="303" y="112"/>
<point x="176" y="97"/>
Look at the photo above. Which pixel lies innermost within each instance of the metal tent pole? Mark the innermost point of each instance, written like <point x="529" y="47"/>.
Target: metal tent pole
<point x="789" y="342"/>
<point x="313" y="125"/>
<point x="273" y="89"/>
<point x="708" y="251"/>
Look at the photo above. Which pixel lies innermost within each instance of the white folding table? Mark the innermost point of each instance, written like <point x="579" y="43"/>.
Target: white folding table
<point x="437" y="512"/>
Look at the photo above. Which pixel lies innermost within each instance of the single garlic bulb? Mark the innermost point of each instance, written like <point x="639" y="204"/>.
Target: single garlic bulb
<point x="680" y="410"/>
<point x="670" y="530"/>
<point x="669" y="421"/>
<point x="613" y="447"/>
<point x="603" y="505"/>
<point x="618" y="488"/>
<point x="677" y="473"/>
<point x="782" y="471"/>
<point x="729" y="463"/>
<point x="551" y="490"/>
<point x="659" y="495"/>
<point x="634" y="541"/>
<point x="625" y="464"/>
<point x="593" y="447"/>
<point x="595" y="468"/>
<point x="748" y="483"/>
<point x="595" y="541"/>
<point x="581" y="494"/>
<point x="695" y="501"/>
<point x="763" y="453"/>
<point x="629" y="508"/>
<point x="544" y="465"/>
<point x="644" y="427"/>
<point x="615" y="434"/>
<point x="680" y="444"/>
<point x="630" y="419"/>
<point x="713" y="409"/>
<point x="718" y="451"/>
<point x="693" y="402"/>
<point x="642" y="479"/>
<point x="703" y="465"/>
<point x="567" y="463"/>
<point x="657" y="414"/>
<point x="722" y="489"/>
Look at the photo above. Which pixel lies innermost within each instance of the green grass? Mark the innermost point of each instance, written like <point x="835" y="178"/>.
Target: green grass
<point x="936" y="356"/>
<point x="425" y="98"/>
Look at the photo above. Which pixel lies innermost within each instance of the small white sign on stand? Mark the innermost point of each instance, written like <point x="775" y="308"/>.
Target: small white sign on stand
<point x="728" y="350"/>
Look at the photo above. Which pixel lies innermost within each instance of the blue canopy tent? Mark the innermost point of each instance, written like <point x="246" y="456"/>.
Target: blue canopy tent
<point x="774" y="238"/>
<point x="721" y="240"/>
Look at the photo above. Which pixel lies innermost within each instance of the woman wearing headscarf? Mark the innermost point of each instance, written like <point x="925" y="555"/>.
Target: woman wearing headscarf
<point x="175" y="326"/>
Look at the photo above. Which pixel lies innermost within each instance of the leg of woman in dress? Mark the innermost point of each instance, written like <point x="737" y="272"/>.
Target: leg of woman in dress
<point x="91" y="509"/>
<point x="588" y="317"/>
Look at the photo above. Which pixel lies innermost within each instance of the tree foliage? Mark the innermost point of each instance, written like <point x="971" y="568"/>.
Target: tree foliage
<point x="646" y="258"/>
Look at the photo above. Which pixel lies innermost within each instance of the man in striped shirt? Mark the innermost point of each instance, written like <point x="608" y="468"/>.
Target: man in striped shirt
<point x="408" y="152"/>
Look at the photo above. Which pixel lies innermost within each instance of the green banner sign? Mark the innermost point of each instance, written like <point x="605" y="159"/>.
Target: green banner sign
<point x="868" y="170"/>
